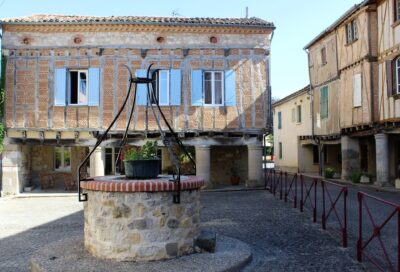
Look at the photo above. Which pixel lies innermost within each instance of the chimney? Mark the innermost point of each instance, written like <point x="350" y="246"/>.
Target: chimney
<point x="247" y="12"/>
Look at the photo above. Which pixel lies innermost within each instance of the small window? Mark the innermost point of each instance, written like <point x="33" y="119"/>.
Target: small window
<point x="324" y="102"/>
<point x="280" y="150"/>
<point x="78" y="83"/>
<point x="352" y="31"/>
<point x="323" y="56"/>
<point x="397" y="75"/>
<point x="357" y="90"/>
<point x="162" y="91"/>
<point x="213" y="88"/>
<point x="62" y="159"/>
<point x="298" y="113"/>
<point x="279" y="120"/>
<point x="396" y="10"/>
<point x="293" y="115"/>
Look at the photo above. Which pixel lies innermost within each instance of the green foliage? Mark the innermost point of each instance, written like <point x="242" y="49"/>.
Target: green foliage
<point x="329" y="172"/>
<point x="147" y="152"/>
<point x="356" y="176"/>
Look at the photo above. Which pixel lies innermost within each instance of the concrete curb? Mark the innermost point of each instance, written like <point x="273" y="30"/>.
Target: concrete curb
<point x="358" y="185"/>
<point x="69" y="255"/>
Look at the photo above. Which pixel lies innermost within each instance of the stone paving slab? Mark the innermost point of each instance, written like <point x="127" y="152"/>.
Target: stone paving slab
<point x="69" y="256"/>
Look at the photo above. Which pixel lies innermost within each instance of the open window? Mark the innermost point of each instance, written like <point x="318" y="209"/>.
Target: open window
<point x="77" y="87"/>
<point x="78" y="83"/>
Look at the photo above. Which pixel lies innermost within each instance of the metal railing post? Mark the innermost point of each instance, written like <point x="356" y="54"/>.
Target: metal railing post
<point x="398" y="239"/>
<point x="286" y="191"/>
<point x="323" y="205"/>
<point x="344" y="234"/>
<point x="315" y="182"/>
<point x="359" y="241"/>
<point x="301" y="193"/>
<point x="295" y="191"/>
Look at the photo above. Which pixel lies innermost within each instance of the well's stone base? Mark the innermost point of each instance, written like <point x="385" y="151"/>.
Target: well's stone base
<point x="141" y="226"/>
<point x="69" y="255"/>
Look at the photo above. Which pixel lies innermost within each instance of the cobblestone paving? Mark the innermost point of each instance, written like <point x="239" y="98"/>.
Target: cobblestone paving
<point x="282" y="239"/>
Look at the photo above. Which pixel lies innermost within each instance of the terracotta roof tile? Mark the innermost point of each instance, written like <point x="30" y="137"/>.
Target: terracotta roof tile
<point x="70" y="19"/>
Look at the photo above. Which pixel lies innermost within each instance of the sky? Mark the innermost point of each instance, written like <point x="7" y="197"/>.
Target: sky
<point x="297" y="23"/>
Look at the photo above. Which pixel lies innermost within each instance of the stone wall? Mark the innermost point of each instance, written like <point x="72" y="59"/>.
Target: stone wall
<point x="16" y="169"/>
<point x="141" y="226"/>
<point x="226" y="158"/>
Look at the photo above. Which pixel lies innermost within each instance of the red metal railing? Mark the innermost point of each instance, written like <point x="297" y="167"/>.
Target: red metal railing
<point x="306" y="194"/>
<point x="291" y="191"/>
<point x="376" y="232"/>
<point x="333" y="209"/>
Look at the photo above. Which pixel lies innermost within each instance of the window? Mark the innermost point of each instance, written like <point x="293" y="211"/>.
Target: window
<point x="323" y="56"/>
<point x="279" y="120"/>
<point x="78" y="81"/>
<point x="62" y="159"/>
<point x="213" y="86"/>
<point x="357" y="90"/>
<point x="396" y="10"/>
<point x="293" y="115"/>
<point x="352" y="31"/>
<point x="162" y="91"/>
<point x="280" y="150"/>
<point x="324" y="102"/>
<point x="298" y="113"/>
<point x="77" y="87"/>
<point x="397" y="75"/>
<point x="315" y="154"/>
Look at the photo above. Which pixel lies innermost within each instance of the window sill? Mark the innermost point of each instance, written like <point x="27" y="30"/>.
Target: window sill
<point x="75" y="106"/>
<point x="351" y="43"/>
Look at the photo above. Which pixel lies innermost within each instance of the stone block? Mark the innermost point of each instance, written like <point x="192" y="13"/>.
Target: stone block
<point x="365" y="179"/>
<point x="397" y="183"/>
<point x="172" y="249"/>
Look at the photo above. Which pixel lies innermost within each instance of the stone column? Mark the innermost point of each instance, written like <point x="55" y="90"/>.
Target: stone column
<point x="350" y="156"/>
<point x="97" y="164"/>
<point x="255" y="153"/>
<point x="15" y="169"/>
<point x="203" y="163"/>
<point x="382" y="159"/>
<point x="165" y="160"/>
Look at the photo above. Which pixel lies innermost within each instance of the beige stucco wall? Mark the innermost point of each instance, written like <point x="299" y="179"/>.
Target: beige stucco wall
<point x="289" y="134"/>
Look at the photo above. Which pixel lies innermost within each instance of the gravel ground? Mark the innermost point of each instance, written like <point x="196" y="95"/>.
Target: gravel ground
<point x="281" y="238"/>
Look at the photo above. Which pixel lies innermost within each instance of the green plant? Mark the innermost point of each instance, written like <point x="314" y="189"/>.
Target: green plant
<point x="356" y="176"/>
<point x="146" y="152"/>
<point x="329" y="172"/>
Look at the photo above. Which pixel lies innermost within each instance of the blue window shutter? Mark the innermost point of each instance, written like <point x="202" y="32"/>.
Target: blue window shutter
<point x="230" y="88"/>
<point x="94" y="87"/>
<point x="141" y="94"/>
<point x="60" y="87"/>
<point x="163" y="78"/>
<point x="175" y="87"/>
<point x="197" y="88"/>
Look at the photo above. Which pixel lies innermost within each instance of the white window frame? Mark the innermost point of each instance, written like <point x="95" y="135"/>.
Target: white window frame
<point x="299" y="114"/>
<point x="86" y="71"/>
<point x="357" y="92"/>
<point x="213" y="104"/>
<point x="397" y="71"/>
<point x="168" y="88"/>
<point x="62" y="168"/>
<point x="352" y="31"/>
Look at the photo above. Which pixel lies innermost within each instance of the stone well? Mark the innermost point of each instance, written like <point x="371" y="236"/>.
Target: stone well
<point x="136" y="220"/>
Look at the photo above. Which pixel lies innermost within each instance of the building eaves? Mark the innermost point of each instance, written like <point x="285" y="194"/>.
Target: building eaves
<point x="335" y="24"/>
<point x="291" y="96"/>
<point x="252" y="22"/>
